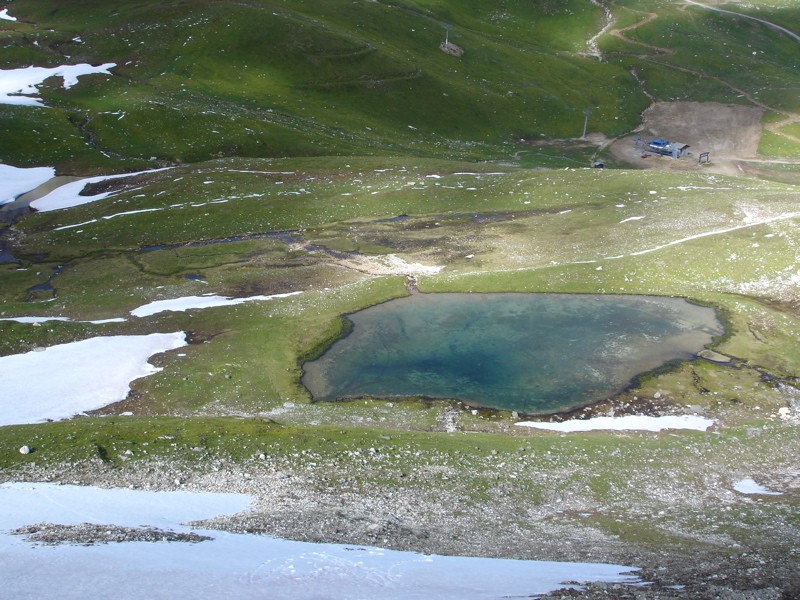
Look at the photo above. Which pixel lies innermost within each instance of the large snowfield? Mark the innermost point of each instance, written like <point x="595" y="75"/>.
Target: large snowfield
<point x="236" y="565"/>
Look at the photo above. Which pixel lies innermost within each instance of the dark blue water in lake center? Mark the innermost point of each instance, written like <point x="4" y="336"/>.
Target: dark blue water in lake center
<point x="534" y="353"/>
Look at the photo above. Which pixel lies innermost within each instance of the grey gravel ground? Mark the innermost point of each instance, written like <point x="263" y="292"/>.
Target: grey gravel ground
<point x="436" y="512"/>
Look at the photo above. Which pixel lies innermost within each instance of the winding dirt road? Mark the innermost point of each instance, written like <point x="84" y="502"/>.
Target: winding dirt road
<point x="660" y="55"/>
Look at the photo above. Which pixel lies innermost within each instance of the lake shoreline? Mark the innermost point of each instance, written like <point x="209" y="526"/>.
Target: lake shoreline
<point x="400" y="340"/>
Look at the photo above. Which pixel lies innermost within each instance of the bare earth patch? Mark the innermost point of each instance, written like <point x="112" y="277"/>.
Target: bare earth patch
<point x="727" y="131"/>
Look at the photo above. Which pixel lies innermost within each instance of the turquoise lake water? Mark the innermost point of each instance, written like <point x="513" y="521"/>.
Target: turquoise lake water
<point x="534" y="353"/>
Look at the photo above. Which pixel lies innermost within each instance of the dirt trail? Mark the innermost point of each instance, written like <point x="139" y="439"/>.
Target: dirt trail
<point x="620" y="33"/>
<point x="776" y="128"/>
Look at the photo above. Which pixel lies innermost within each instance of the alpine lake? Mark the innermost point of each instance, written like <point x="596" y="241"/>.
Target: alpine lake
<point x="531" y="353"/>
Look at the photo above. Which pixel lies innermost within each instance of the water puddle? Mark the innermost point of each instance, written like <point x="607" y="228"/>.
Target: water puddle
<point x="5" y="255"/>
<point x="44" y="291"/>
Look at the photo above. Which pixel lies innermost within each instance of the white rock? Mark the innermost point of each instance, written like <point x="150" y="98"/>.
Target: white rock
<point x="25" y="450"/>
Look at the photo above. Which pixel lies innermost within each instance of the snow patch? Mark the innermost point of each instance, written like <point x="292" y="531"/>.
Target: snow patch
<point x="749" y="486"/>
<point x="686" y="188"/>
<point x="19" y="86"/>
<point x="69" y="195"/>
<point x="479" y="174"/>
<point x="61" y="381"/>
<point x="104" y="321"/>
<point x="26" y="503"/>
<point x="34" y="319"/>
<point x="192" y="302"/>
<point x="626" y="423"/>
<point x="5" y="16"/>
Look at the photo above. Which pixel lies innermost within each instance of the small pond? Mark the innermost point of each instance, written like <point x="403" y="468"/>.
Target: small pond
<point x="533" y="353"/>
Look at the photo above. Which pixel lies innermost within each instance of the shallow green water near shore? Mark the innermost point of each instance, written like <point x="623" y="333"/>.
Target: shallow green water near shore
<point x="534" y="353"/>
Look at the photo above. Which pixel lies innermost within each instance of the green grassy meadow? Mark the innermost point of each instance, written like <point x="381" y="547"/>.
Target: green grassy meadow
<point x="331" y="149"/>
